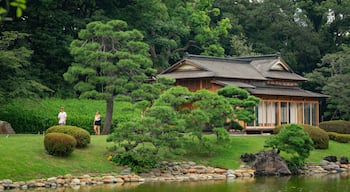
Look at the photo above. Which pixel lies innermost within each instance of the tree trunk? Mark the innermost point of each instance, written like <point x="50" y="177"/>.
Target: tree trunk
<point x="109" y="114"/>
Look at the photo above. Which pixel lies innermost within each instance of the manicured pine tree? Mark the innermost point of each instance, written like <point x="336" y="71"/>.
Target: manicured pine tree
<point x="109" y="60"/>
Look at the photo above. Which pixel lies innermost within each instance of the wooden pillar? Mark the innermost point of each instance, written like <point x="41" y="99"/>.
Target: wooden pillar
<point x="279" y="113"/>
<point x="317" y="114"/>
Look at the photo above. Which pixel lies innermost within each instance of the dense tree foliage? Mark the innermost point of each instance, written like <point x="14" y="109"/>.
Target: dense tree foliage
<point x="168" y="123"/>
<point x="174" y="27"/>
<point x="294" y="141"/>
<point x="241" y="101"/>
<point x="303" y="31"/>
<point x="272" y="26"/>
<point x="15" y="81"/>
<point x="109" y="60"/>
<point x="332" y="78"/>
<point x="6" y="6"/>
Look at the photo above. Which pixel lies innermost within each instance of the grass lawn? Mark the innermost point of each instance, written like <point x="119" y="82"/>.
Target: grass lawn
<point x="229" y="157"/>
<point x="23" y="157"/>
<point x="334" y="149"/>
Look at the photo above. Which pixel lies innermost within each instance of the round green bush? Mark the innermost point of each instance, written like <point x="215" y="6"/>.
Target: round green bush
<point x="338" y="126"/>
<point x="81" y="135"/>
<point x="59" y="144"/>
<point x="338" y="137"/>
<point x="319" y="136"/>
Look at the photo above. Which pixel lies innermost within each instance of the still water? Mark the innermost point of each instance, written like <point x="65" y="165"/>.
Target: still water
<point x="325" y="183"/>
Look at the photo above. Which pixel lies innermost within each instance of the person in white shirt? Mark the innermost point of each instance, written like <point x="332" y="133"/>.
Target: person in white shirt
<point x="62" y="117"/>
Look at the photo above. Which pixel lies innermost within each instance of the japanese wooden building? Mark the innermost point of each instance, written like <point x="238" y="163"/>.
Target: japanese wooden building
<point x="267" y="77"/>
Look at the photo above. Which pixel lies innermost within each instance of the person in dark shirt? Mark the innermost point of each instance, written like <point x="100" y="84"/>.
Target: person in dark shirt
<point x="97" y="123"/>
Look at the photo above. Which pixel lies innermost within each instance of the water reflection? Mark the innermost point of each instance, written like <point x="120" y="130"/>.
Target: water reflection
<point x="319" y="183"/>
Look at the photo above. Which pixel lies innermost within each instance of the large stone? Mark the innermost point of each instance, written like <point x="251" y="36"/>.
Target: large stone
<point x="344" y="160"/>
<point x="220" y="171"/>
<point x="175" y="170"/>
<point x="75" y="182"/>
<point x="109" y="179"/>
<point x="324" y="163"/>
<point x="270" y="163"/>
<point x="5" y="128"/>
<point x="331" y="158"/>
<point x="6" y="181"/>
<point x="247" y="157"/>
<point x="331" y="167"/>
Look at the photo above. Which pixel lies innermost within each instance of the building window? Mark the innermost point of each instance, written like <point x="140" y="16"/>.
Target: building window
<point x="272" y="113"/>
<point x="293" y="113"/>
<point x="307" y="113"/>
<point x="300" y="111"/>
<point x="284" y="113"/>
<point x="314" y="114"/>
<point x="206" y="84"/>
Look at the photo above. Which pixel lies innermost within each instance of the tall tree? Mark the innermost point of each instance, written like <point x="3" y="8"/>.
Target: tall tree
<point x="6" y="5"/>
<point x="272" y="26"/>
<point x="332" y="78"/>
<point x="15" y="78"/>
<point x="240" y="47"/>
<point x="315" y="11"/>
<point x="336" y="29"/>
<point x="330" y="19"/>
<point x="173" y="27"/>
<point x="109" y="60"/>
<point x="52" y="25"/>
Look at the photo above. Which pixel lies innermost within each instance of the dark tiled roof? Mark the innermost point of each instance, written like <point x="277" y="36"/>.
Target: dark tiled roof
<point x="264" y="67"/>
<point x="234" y="83"/>
<point x="189" y="74"/>
<point x="284" y="91"/>
<point x="228" y="68"/>
<point x="284" y="75"/>
<point x="254" y="68"/>
<point x="228" y="71"/>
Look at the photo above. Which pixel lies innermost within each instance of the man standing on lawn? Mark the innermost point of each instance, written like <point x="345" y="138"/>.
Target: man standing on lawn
<point x="62" y="117"/>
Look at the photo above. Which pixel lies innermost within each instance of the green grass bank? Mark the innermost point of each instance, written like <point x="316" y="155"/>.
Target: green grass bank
<point x="23" y="157"/>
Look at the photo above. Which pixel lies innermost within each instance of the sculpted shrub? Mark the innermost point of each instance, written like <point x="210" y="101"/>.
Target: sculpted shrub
<point x="338" y="126"/>
<point x="319" y="137"/>
<point x="293" y="140"/>
<point x="59" y="144"/>
<point x="81" y="135"/>
<point x="341" y="138"/>
<point x="141" y="159"/>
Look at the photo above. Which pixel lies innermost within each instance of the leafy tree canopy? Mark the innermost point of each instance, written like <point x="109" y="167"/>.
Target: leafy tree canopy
<point x="109" y="60"/>
<point x="15" y="81"/>
<point x="242" y="102"/>
<point x="19" y="6"/>
<point x="332" y="77"/>
<point x="294" y="141"/>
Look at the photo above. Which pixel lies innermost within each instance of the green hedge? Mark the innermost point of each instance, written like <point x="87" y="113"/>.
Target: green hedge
<point x="81" y="136"/>
<point x="59" y="144"/>
<point x="33" y="116"/>
<point x="319" y="136"/>
<point x="26" y="121"/>
<point x="341" y="138"/>
<point x="338" y="126"/>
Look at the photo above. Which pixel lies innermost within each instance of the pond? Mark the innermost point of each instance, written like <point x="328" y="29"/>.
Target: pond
<point x="319" y="183"/>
